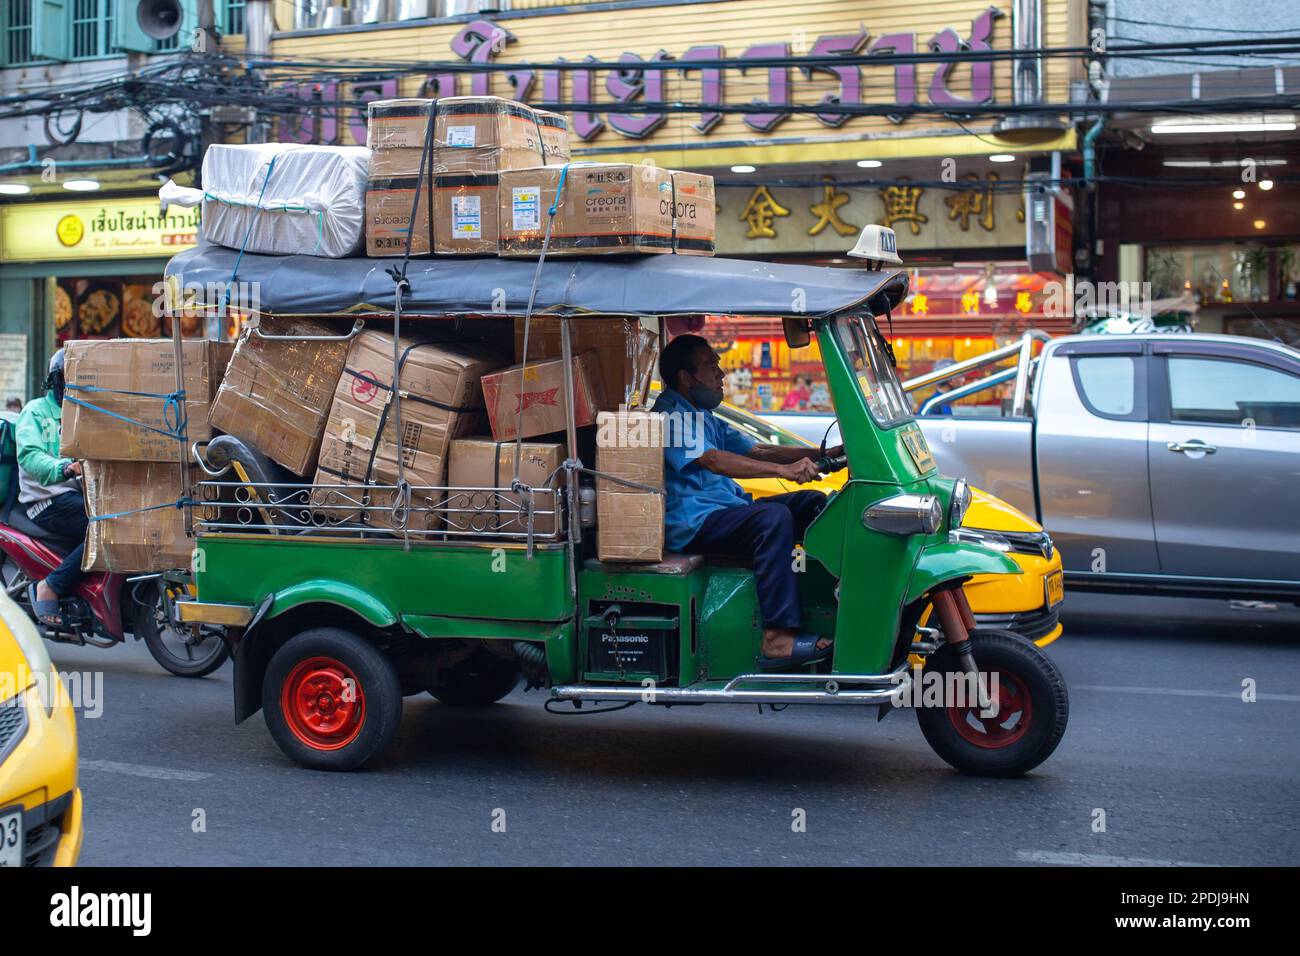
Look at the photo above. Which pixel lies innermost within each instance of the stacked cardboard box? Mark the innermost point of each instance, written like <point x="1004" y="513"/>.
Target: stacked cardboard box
<point x="526" y="401"/>
<point x="606" y="208"/>
<point x="146" y="532"/>
<point x="475" y="139"/>
<point x="396" y="134"/>
<point x="277" y="393"/>
<point x="628" y="352"/>
<point x="441" y="399"/>
<point x="101" y="374"/>
<point x="630" y="521"/>
<point x="479" y="463"/>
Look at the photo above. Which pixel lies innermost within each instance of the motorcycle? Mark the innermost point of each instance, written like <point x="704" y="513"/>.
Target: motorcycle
<point x="105" y="604"/>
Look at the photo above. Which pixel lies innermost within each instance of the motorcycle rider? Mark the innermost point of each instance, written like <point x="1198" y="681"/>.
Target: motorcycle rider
<point x="49" y="492"/>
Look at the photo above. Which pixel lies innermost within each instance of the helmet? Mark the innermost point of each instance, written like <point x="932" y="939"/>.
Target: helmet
<point x="54" y="381"/>
<point x="877" y="244"/>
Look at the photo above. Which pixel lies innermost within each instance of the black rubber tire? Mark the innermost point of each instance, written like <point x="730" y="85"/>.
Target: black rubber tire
<point x="478" y="683"/>
<point x="1006" y="651"/>
<point x="376" y="679"/>
<point x="144" y="624"/>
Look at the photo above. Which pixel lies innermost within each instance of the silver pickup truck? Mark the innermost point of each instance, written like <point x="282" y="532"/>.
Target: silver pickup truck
<point x="1159" y="463"/>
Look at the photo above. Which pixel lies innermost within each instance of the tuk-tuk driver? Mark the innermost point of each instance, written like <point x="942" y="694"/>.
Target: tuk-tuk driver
<point x="707" y="512"/>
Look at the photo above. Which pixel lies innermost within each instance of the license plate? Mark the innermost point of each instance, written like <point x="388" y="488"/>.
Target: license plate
<point x="11" y="837"/>
<point x="1055" y="586"/>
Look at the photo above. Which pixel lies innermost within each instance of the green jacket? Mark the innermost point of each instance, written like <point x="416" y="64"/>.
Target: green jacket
<point x="40" y="468"/>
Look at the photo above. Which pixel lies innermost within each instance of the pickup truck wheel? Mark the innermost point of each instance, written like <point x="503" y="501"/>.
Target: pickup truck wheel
<point x="477" y="683"/>
<point x="332" y="700"/>
<point x="1033" y="708"/>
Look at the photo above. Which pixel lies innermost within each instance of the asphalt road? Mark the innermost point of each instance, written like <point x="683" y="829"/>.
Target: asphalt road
<point x="1159" y="739"/>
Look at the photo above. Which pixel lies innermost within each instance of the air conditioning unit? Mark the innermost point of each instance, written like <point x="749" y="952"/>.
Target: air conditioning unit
<point x="140" y="25"/>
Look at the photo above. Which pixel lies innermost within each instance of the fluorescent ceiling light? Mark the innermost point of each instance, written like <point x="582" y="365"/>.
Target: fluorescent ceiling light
<point x="81" y="185"/>
<point x="869" y="163"/>
<point x="1227" y="124"/>
<point x="1002" y="158"/>
<point x="14" y="189"/>
<point x="743" y="169"/>
<point x="1220" y="163"/>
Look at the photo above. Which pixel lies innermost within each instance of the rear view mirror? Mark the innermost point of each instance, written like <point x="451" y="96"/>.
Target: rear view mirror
<point x="797" y="333"/>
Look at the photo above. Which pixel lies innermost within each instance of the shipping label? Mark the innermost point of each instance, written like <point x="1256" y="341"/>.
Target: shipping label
<point x="526" y="208"/>
<point x="466" y="217"/>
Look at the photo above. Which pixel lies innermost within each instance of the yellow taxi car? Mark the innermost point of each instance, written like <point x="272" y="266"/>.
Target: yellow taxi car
<point x="40" y="804"/>
<point x="1027" y="603"/>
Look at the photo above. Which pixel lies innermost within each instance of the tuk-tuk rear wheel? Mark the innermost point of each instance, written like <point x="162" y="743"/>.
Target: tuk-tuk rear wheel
<point x="332" y="700"/>
<point x="1034" y="708"/>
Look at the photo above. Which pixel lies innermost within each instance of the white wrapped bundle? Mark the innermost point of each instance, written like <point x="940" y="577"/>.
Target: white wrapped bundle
<point x="306" y="200"/>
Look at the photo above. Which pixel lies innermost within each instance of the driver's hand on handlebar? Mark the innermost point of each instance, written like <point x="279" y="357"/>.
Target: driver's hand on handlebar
<point x="802" y="471"/>
<point x="836" y="452"/>
<point x="72" y="469"/>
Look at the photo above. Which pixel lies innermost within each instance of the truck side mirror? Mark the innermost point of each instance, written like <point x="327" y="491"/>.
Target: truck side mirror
<point x="797" y="332"/>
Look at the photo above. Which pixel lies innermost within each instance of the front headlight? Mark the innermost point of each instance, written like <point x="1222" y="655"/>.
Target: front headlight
<point x="33" y="648"/>
<point x="985" y="539"/>
<point x="960" y="504"/>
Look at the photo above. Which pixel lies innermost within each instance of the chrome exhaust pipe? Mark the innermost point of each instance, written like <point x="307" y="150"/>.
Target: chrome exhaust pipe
<point x="860" y="689"/>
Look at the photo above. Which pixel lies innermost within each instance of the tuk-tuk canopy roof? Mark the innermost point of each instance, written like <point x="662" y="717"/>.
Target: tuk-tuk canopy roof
<point x="629" y="286"/>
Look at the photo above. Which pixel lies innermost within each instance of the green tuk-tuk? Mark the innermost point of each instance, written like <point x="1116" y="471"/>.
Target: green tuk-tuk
<point x="331" y="621"/>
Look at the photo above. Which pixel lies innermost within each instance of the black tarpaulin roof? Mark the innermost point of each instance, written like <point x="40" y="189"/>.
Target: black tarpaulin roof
<point x="643" y="285"/>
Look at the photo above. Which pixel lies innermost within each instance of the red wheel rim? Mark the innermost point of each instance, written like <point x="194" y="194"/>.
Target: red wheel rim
<point x="1014" y="716"/>
<point x="323" y="703"/>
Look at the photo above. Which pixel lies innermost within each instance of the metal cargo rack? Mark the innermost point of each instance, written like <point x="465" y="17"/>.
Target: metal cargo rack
<point x="414" y="512"/>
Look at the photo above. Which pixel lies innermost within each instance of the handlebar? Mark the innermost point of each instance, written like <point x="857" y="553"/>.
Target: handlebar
<point x="828" y="465"/>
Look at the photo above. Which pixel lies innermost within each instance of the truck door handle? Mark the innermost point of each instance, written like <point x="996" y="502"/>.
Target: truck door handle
<point x="1194" y="445"/>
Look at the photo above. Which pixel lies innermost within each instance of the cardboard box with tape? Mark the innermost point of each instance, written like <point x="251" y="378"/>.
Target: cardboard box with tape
<point x="101" y="374"/>
<point x="276" y="394"/>
<point x="479" y="463"/>
<point x="465" y="214"/>
<point x="529" y="400"/>
<point x="629" y="520"/>
<point x="441" y="399"/>
<point x="606" y="208"/>
<point x="135" y="540"/>
<point x="388" y="218"/>
<point x="628" y="352"/>
<point x="481" y="135"/>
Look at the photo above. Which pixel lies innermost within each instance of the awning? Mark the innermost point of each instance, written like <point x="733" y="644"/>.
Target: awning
<point x="622" y="286"/>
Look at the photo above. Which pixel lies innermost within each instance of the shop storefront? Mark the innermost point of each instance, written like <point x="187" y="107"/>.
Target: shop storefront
<point x="86" y="269"/>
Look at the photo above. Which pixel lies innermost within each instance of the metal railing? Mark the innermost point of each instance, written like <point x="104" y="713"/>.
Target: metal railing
<point x="418" y="512"/>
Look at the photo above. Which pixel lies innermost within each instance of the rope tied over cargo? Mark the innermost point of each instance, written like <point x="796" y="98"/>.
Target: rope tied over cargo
<point x="528" y="314"/>
<point x="178" y="504"/>
<point x="174" y="416"/>
<point x="248" y="234"/>
<point x="402" y="286"/>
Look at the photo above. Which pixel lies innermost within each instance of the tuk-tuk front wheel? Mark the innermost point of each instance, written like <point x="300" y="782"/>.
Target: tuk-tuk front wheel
<point x="332" y="700"/>
<point x="1028" y="722"/>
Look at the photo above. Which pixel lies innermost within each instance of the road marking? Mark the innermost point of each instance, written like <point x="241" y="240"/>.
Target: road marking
<point x="1175" y="692"/>
<point x="1094" y="859"/>
<point x="137" y="770"/>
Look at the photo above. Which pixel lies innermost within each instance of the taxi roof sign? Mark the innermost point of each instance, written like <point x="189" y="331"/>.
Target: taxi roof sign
<point x="877" y="242"/>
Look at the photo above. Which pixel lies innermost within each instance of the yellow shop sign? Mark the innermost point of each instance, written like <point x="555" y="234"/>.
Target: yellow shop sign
<point x="114" y="228"/>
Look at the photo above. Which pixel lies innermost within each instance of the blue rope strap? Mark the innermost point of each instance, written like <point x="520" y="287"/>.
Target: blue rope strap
<point x="174" y="415"/>
<point x="559" y="191"/>
<point x="252" y="221"/>
<point x="178" y="504"/>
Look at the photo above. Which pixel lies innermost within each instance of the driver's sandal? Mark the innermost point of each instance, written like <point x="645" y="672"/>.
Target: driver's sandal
<point x="46" y="612"/>
<point x="803" y="653"/>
